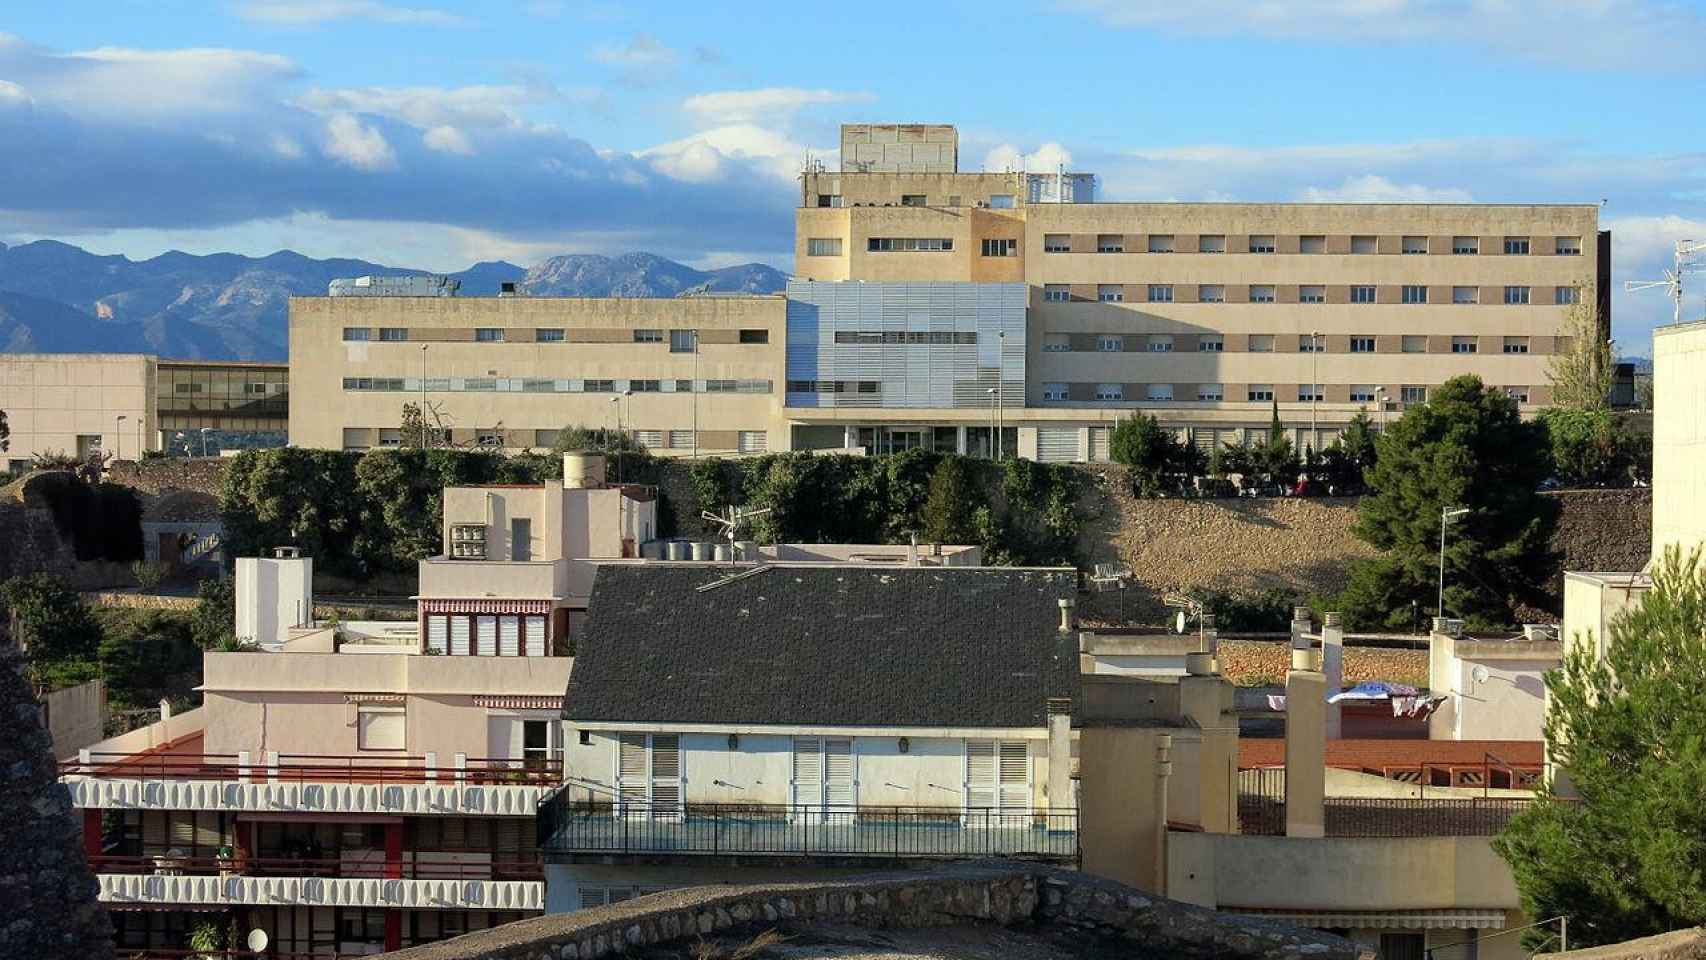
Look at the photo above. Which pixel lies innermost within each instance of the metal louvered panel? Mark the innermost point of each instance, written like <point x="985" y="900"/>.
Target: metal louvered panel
<point x="1057" y="444"/>
<point x="980" y="774"/>
<point x="1100" y="446"/>
<point x="486" y="636"/>
<point x="838" y="775"/>
<point x="509" y="636"/>
<point x="535" y="637"/>
<point x="438" y="634"/>
<point x="459" y="636"/>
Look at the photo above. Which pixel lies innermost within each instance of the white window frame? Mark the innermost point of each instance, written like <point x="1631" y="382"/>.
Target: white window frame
<point x="1465" y="246"/>
<point x="1054" y="391"/>
<point x="1364" y="293"/>
<point x="1110" y="391"/>
<point x="1057" y="243"/>
<point x="1259" y="393"/>
<point x="1211" y="243"/>
<point x="1110" y="343"/>
<point x="1160" y="293"/>
<point x="1463" y="296"/>
<point x="1158" y="392"/>
<point x="1211" y="293"/>
<point x="1057" y="292"/>
<point x="659" y="797"/>
<point x="1465" y="344"/>
<point x="1517" y="296"/>
<point x="367" y="717"/>
<point x="1263" y="293"/>
<point x="1262" y="243"/>
<point x="1567" y="296"/>
<point x="1413" y="246"/>
<point x="1057" y="343"/>
<point x="1362" y="393"/>
<point x="1211" y="392"/>
<point x="1110" y="293"/>
<point x="1211" y="343"/>
<point x="1160" y="243"/>
<point x="1363" y="344"/>
<point x="1159" y="343"/>
<point x="1311" y="293"/>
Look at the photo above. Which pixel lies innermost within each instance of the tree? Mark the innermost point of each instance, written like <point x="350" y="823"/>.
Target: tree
<point x="149" y="656"/>
<point x="5" y="433"/>
<point x="1358" y="442"/>
<point x="1466" y="447"/>
<point x="947" y="515"/>
<point x="1623" y="858"/>
<point x="413" y="432"/>
<point x="1581" y="374"/>
<point x="213" y="621"/>
<point x="1151" y="452"/>
<point x="50" y="619"/>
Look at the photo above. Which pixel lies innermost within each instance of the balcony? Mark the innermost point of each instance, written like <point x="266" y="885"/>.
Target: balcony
<point x="569" y="829"/>
<point x="1261" y="810"/>
<point x="473" y="579"/>
<point x="477" y="884"/>
<point x="418" y="786"/>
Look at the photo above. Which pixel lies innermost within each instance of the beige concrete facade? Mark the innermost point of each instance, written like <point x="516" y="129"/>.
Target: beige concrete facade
<point x="70" y="403"/>
<point x="1679" y="438"/>
<point x="512" y="371"/>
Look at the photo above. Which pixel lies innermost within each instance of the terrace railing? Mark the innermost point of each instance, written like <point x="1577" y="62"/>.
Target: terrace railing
<point x="317" y="768"/>
<point x="347" y="868"/>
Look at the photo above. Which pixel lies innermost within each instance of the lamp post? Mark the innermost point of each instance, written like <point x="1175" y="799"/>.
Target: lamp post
<point x="118" y="436"/>
<point x="696" y="397"/>
<point x="994" y="428"/>
<point x="1446" y="515"/>
<point x="425" y="438"/>
<point x="1314" y="387"/>
<point x="1380" y="399"/>
<point x="204" y="432"/>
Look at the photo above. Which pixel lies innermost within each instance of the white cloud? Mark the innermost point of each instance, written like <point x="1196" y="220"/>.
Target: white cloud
<point x="12" y="95"/>
<point x="764" y="105"/>
<point x="703" y="156"/>
<point x="286" y="146"/>
<point x="447" y="139"/>
<point x="1375" y="189"/>
<point x="131" y="82"/>
<point x="478" y="106"/>
<point x="644" y="51"/>
<point x="1048" y="158"/>
<point x="312" y="12"/>
<point x="1598" y="34"/>
<point x="358" y="145"/>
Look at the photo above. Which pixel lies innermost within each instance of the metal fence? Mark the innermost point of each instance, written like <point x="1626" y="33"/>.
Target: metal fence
<point x="805" y="830"/>
<point x="1261" y="812"/>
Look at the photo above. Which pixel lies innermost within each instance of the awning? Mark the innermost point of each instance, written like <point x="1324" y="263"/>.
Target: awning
<point x="1384" y="919"/>
<point x="519" y="702"/>
<point x="488" y="606"/>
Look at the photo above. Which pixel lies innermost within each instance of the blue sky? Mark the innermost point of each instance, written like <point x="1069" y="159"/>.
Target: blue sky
<point x="436" y="133"/>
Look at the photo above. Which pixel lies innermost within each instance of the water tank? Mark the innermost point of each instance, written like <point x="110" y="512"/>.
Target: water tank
<point x="582" y="471"/>
<point x="747" y="550"/>
<point x="724" y="552"/>
<point x="701" y="551"/>
<point x="676" y="550"/>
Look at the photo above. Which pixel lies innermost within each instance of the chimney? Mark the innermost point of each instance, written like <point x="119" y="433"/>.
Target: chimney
<point x="1448" y="626"/>
<point x="912" y="551"/>
<point x="1333" y="668"/>
<point x="1066" y="605"/>
<point x="1059" y="711"/>
<point x="1305" y="748"/>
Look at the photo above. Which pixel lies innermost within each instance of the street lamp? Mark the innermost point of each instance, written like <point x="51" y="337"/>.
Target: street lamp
<point x="204" y="432"/>
<point x="1314" y="387"/>
<point x="994" y="421"/>
<point x="425" y="439"/>
<point x="1380" y="398"/>
<point x="118" y="436"/>
<point x="1446" y="515"/>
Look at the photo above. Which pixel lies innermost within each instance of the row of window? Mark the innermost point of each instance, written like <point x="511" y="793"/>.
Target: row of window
<point x="469" y="548"/>
<point x="933" y="337"/>
<point x="1255" y="393"/>
<point x="485" y="635"/>
<point x="1270" y="343"/>
<point x="1513" y="295"/>
<point x="1313" y="244"/>
<point x="542" y="385"/>
<point x="681" y="340"/>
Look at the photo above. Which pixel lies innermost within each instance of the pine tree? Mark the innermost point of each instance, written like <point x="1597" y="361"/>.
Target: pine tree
<point x="947" y="513"/>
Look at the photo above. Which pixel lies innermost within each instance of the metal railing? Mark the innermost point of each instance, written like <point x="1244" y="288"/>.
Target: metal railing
<point x="347" y="868"/>
<point x="166" y="953"/>
<point x="1383" y="817"/>
<point x="313" y="768"/>
<point x="805" y="830"/>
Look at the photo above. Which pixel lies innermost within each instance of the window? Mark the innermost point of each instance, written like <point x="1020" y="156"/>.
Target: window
<point x="645" y="386"/>
<point x="1054" y="391"/>
<point x="1363" y="294"/>
<point x="599" y="386"/>
<point x="1211" y="392"/>
<point x="1414" y="245"/>
<point x="1057" y="243"/>
<point x="1362" y="344"/>
<point x="1110" y="343"/>
<point x="909" y="244"/>
<point x="1110" y="292"/>
<point x="520" y="538"/>
<point x="390" y="437"/>
<point x="1516" y="296"/>
<point x="467" y="541"/>
<point x="1464" y="344"/>
<point x="1160" y="293"/>
<point x="683" y="386"/>
<point x="1567" y="247"/>
<point x="1057" y="342"/>
<point x="1364" y="245"/>
<point x="754" y="336"/>
<point x="1260" y="392"/>
<point x="545" y="438"/>
<point x="683" y="341"/>
<point x="488" y="335"/>
<point x="538" y="386"/>
<point x="1413" y="343"/>
<point x="357" y="334"/>
<point x="1465" y="245"/>
<point x="1261" y="343"/>
<point x="1413" y="394"/>
<point x="393" y="334"/>
<point x="1211" y="243"/>
<point x="648" y="774"/>
<point x="1161" y="343"/>
<point x="650" y="439"/>
<point x="1057" y="292"/>
<point x="1516" y="344"/>
<point x="1110" y="391"/>
<point x="1415" y="293"/>
<point x="1310" y="343"/>
<point x="906" y="336"/>
<point x="1519" y="394"/>
<point x="681" y="439"/>
<point x="1313" y="293"/>
<point x="912" y="199"/>
<point x="355" y="438"/>
<point x="1310" y="393"/>
<point x="752" y="441"/>
<point x="1159" y="391"/>
<point x="1110" y="243"/>
<point x="548" y="335"/>
<point x="829" y="199"/>
<point x="648" y="336"/>
<point x="823" y="247"/>
<point x="1160" y="243"/>
<point x="999" y="201"/>
<point x="1465" y="294"/>
<point x="380" y="728"/>
<point x="1211" y="293"/>
<point x="1516" y="246"/>
<point x="1261" y="244"/>
<point x="1312" y="244"/>
<point x="1362" y="393"/>
<point x="1567" y="295"/>
<point x="999" y="247"/>
<point x="1261" y="293"/>
<point x="1211" y="343"/>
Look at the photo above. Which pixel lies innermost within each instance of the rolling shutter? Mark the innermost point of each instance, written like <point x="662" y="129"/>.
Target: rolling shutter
<point x="535" y="637"/>
<point x="509" y="636"/>
<point x="459" y="636"/>
<point x="1057" y="444"/>
<point x="486" y="636"/>
<point x="1100" y="451"/>
<point x="438" y="634"/>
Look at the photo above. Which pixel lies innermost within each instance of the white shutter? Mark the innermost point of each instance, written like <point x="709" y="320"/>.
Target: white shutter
<point x="504" y="738"/>
<point x="1100" y="451"/>
<point x="182" y="830"/>
<point x="666" y="776"/>
<point x="459" y="636"/>
<point x="838" y="781"/>
<point x="438" y="634"/>
<point x="808" y="771"/>
<point x="1015" y="774"/>
<point x="486" y="636"/>
<point x="631" y="769"/>
<point x="380" y="728"/>
<point x="1057" y="444"/>
<point x="509" y="636"/>
<point x="535" y="644"/>
<point x="980" y="774"/>
<point x="153" y="829"/>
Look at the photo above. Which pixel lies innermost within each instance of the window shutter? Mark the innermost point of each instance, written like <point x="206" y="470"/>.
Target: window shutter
<point x="458" y="636"/>
<point x="486" y="636"/>
<point x="839" y="788"/>
<point x="509" y="636"/>
<point x="504" y="739"/>
<point x="182" y="832"/>
<point x="631" y="779"/>
<point x="666" y="775"/>
<point x="438" y="634"/>
<point x="980" y="774"/>
<point x="208" y="830"/>
<point x="535" y="636"/>
<point x="455" y="833"/>
<point x="506" y="844"/>
<point x="1015" y="773"/>
<point x="808" y="771"/>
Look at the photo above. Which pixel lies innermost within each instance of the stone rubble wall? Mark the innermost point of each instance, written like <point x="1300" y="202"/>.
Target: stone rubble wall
<point x="995" y="894"/>
<point x="1687" y="944"/>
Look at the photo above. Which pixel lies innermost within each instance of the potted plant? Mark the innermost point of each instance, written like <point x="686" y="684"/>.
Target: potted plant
<point x="227" y="859"/>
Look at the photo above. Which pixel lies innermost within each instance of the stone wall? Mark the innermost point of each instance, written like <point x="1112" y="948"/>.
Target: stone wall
<point x="1605" y="531"/>
<point x="173" y="489"/>
<point x="1689" y="944"/>
<point x="1047" y="900"/>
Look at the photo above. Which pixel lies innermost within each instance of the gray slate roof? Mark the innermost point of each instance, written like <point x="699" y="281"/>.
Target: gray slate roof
<point x="829" y="645"/>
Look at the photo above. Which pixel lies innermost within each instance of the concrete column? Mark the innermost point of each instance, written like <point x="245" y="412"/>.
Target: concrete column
<point x="1163" y="774"/>
<point x="1060" y="755"/>
<point x="1305" y="747"/>
<point x="1122" y="811"/>
<point x="1333" y="668"/>
<point x="272" y="766"/>
<point x="431" y="772"/>
<point x="849" y="436"/>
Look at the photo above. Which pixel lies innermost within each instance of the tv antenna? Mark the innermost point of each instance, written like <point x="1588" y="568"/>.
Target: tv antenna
<point x="1685" y="262"/>
<point x="730" y="520"/>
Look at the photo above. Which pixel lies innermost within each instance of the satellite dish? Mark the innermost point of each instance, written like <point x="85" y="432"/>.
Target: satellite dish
<point x="257" y="940"/>
<point x="1479" y="673"/>
<point x="1179" y="622"/>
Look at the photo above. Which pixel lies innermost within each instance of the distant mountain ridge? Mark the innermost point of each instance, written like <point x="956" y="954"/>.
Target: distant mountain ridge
<point x="59" y="298"/>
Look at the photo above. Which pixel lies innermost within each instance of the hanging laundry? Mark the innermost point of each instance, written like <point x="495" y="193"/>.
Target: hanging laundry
<point x="1374" y="690"/>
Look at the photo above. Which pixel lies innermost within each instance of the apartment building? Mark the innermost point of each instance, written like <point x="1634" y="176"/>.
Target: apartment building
<point x="688" y="375"/>
<point x="815" y="719"/>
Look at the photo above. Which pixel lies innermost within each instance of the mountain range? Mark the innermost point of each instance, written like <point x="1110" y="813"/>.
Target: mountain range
<point x="58" y="298"/>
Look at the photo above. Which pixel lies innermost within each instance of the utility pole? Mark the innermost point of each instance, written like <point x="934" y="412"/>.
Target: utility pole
<point x="118" y="436"/>
<point x="425" y="438"/>
<point x="1314" y="388"/>
<point x="696" y="393"/>
<point x="1446" y="515"/>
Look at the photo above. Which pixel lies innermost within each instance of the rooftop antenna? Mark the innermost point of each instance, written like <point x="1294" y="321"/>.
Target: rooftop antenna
<point x="730" y="520"/>
<point x="1685" y="262"/>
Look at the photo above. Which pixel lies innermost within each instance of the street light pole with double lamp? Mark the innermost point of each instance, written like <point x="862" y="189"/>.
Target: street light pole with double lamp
<point x="1446" y="515"/>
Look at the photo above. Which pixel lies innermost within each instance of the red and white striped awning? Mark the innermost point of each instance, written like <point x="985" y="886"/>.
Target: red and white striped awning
<point x="519" y="702"/>
<point x="489" y="605"/>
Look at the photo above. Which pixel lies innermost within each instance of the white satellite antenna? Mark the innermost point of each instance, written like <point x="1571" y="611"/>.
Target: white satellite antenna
<point x="730" y="520"/>
<point x="1687" y="252"/>
<point x="1187" y="606"/>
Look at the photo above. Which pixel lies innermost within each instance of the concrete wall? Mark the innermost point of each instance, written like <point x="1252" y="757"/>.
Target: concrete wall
<point x="76" y="717"/>
<point x="273" y="595"/>
<point x="52" y="399"/>
<point x="1679" y="437"/>
<point x="1509" y="705"/>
